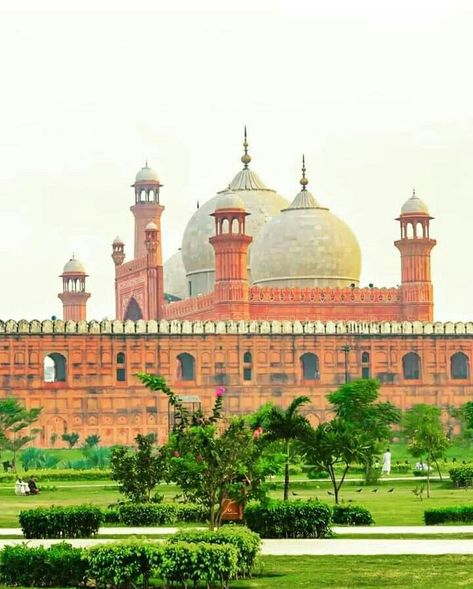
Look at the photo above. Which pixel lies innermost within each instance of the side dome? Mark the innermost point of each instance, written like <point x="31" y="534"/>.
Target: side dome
<point x="73" y="266"/>
<point x="229" y="200"/>
<point x="262" y="204"/>
<point x="175" y="282"/>
<point x="414" y="205"/>
<point x="306" y="246"/>
<point x="147" y="174"/>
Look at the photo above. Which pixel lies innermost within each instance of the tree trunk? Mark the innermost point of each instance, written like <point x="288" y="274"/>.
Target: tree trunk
<point x="286" y="472"/>
<point x="428" y="476"/>
<point x="438" y="469"/>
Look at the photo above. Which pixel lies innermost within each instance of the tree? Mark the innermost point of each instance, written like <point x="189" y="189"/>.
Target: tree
<point x="71" y="438"/>
<point x="139" y="470"/>
<point x="212" y="461"/>
<point x="423" y="428"/>
<point x="464" y="415"/>
<point x="332" y="444"/>
<point x="91" y="441"/>
<point x="286" y="425"/>
<point x="356" y="403"/>
<point x="14" y="419"/>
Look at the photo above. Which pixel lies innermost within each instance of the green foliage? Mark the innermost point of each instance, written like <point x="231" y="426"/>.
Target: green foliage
<point x="14" y="418"/>
<point x="71" y="438"/>
<point x="289" y="519"/>
<point x="443" y="515"/>
<point x="156" y="514"/>
<point x="423" y="427"/>
<point x="92" y="440"/>
<point x="96" y="456"/>
<point x="138" y="471"/>
<point x="247" y="543"/>
<point x="81" y="521"/>
<point x="36" y="458"/>
<point x="351" y="515"/>
<point x="61" y="474"/>
<point x="61" y="565"/>
<point x="462" y="475"/>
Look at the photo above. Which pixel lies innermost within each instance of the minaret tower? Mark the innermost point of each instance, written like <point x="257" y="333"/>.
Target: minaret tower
<point x="73" y="295"/>
<point x="146" y="208"/>
<point x="154" y="269"/>
<point x="415" y="246"/>
<point x="230" y="244"/>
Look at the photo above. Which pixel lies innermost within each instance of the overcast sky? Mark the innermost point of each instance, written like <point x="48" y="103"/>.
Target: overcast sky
<point x="377" y="94"/>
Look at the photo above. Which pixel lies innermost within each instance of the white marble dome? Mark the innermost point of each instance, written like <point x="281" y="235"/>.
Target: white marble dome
<point x="305" y="246"/>
<point x="175" y="281"/>
<point x="259" y="201"/>
<point x="73" y="266"/>
<point x="414" y="205"/>
<point x="147" y="174"/>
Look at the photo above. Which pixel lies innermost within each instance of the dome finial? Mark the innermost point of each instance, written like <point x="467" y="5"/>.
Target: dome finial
<point x="146" y="163"/>
<point x="245" y="158"/>
<point x="304" y="180"/>
<point x="413" y="192"/>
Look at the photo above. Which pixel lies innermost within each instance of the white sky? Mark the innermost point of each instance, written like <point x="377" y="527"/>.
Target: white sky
<point x="377" y="94"/>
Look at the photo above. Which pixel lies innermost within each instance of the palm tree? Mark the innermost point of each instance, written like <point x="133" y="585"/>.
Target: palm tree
<point x="286" y="425"/>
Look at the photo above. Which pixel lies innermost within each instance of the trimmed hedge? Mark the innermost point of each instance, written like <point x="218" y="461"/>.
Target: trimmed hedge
<point x="123" y="564"/>
<point x="247" y="543"/>
<point x="157" y="514"/>
<point x="289" y="519"/>
<point x="60" y="474"/>
<point x="81" y="521"/>
<point x="61" y="565"/>
<point x="351" y="515"/>
<point x="462" y="475"/>
<point x="443" y="515"/>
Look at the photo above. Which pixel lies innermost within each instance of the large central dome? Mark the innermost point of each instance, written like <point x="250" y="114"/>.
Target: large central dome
<point x="305" y="246"/>
<point x="198" y="255"/>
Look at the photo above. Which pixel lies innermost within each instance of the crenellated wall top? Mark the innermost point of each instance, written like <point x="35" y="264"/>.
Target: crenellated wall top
<point x="176" y="327"/>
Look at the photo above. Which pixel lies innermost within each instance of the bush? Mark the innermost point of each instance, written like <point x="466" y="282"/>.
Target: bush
<point x="462" y="514"/>
<point x="61" y="474"/>
<point x="61" y="565"/>
<point x="462" y="475"/>
<point x="81" y="521"/>
<point x="351" y="515"/>
<point x="289" y="519"/>
<point x="247" y="543"/>
<point x="401" y="468"/>
<point x="157" y="514"/>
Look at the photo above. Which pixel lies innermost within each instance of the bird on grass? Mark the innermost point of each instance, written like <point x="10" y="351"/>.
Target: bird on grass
<point x="391" y="490"/>
<point x="374" y="491"/>
<point x="329" y="493"/>
<point x="358" y="490"/>
<point x="296" y="494"/>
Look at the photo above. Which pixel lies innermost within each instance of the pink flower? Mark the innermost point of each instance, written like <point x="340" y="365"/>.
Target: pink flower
<point x="219" y="392"/>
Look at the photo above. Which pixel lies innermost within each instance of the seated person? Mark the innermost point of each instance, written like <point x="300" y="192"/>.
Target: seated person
<point x="32" y="487"/>
<point x="21" y="488"/>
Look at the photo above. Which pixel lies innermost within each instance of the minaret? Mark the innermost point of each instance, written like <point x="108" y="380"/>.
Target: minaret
<point x="415" y="246"/>
<point x="73" y="295"/>
<point x="146" y="208"/>
<point x="154" y="268"/>
<point x="230" y="244"/>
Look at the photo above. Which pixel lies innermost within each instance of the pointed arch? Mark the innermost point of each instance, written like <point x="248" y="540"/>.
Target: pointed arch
<point x="411" y="367"/>
<point x="310" y="366"/>
<point x="459" y="366"/>
<point x="133" y="311"/>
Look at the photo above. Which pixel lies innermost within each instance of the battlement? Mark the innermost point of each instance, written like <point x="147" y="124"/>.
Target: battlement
<point x="175" y="327"/>
<point x="189" y="306"/>
<point x="325" y="295"/>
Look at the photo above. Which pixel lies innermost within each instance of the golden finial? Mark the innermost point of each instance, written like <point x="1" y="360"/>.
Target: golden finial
<point x="304" y="180"/>
<point x="245" y="158"/>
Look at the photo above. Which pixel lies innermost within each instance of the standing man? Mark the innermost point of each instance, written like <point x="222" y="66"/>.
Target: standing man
<point x="386" y="462"/>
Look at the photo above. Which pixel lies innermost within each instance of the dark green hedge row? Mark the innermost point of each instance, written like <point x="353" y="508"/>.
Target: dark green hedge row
<point x="462" y="475"/>
<point x="443" y="515"/>
<point x="156" y="514"/>
<point x="61" y="474"/>
<point x="351" y="515"/>
<point x="81" y="521"/>
<point x="289" y="519"/>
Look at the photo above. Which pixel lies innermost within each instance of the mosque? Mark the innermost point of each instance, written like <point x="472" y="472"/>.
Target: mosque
<point x="263" y="297"/>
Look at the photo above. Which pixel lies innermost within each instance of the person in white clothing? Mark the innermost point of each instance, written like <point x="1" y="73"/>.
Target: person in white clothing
<point x="21" y="488"/>
<point x="386" y="462"/>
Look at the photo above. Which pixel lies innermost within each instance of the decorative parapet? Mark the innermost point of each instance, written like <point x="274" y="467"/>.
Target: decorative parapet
<point x="325" y="295"/>
<point x="176" y="327"/>
<point x="189" y="306"/>
<point x="131" y="267"/>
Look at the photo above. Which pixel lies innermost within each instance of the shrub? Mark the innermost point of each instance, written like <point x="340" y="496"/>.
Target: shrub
<point x="462" y="475"/>
<point x="401" y="468"/>
<point x="61" y="474"/>
<point x="81" y="521"/>
<point x="289" y="519"/>
<point x="247" y="543"/>
<point x="351" y="515"/>
<point x="61" y="565"/>
<point x="123" y="563"/>
<point x="157" y="514"/>
<point x="443" y="515"/>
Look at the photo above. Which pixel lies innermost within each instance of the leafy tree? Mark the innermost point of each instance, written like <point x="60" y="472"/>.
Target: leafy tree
<point x="356" y="403"/>
<point x="14" y="419"/>
<point x="71" y="438"/>
<point x="464" y="415"/>
<point x="139" y="470"/>
<point x="423" y="428"/>
<point x="212" y="461"/>
<point x="333" y="444"/>
<point x="286" y="425"/>
<point x="91" y="441"/>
